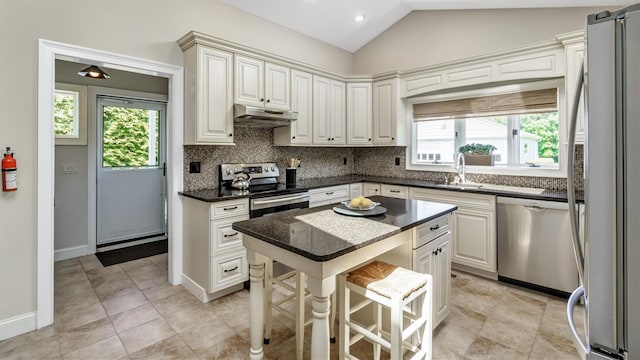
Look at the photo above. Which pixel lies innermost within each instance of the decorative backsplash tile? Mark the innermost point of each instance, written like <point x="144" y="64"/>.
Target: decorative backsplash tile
<point x="381" y="162"/>
<point x="256" y="145"/>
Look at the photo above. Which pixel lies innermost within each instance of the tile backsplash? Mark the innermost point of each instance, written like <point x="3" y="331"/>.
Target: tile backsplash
<point x="381" y="162"/>
<point x="256" y="145"/>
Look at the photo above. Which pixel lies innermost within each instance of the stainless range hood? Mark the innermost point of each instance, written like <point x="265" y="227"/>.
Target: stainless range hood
<point x="259" y="117"/>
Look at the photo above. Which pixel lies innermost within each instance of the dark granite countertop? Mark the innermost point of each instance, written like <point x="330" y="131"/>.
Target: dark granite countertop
<point x="211" y="195"/>
<point x="320" y="234"/>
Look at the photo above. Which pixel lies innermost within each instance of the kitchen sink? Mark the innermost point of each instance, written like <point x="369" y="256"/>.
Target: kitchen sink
<point x="466" y="186"/>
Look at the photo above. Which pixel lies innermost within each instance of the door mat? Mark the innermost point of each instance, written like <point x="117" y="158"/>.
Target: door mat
<point x="135" y="252"/>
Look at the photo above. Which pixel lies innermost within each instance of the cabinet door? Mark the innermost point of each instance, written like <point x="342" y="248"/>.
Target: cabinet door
<point x="474" y="239"/>
<point x="370" y="189"/>
<point x="574" y="58"/>
<point x="442" y="279"/>
<point x="424" y="262"/>
<point x="359" y="114"/>
<point x="321" y="127"/>
<point x="277" y="87"/>
<point x="214" y="103"/>
<point x="302" y="102"/>
<point x="400" y="192"/>
<point x="337" y="113"/>
<point x="249" y="81"/>
<point x="384" y="112"/>
<point x="355" y="190"/>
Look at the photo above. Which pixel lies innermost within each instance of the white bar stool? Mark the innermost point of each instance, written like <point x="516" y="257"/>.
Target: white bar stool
<point x="395" y="288"/>
<point x="296" y="292"/>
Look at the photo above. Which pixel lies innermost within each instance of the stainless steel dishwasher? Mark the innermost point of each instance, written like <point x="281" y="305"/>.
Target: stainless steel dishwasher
<point x="534" y="245"/>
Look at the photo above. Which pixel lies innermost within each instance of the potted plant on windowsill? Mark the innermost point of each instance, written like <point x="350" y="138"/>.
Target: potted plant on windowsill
<point x="478" y="154"/>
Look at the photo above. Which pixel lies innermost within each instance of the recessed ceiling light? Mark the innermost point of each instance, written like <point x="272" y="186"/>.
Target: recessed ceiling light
<point x="358" y="18"/>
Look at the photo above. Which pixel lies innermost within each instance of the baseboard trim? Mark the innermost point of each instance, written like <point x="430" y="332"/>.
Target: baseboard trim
<point x="70" y="252"/>
<point x="474" y="271"/>
<point x="18" y="325"/>
<point x="202" y="294"/>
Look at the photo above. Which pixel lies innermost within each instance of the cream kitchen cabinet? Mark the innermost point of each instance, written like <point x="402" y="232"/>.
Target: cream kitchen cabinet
<point x="329" y="113"/>
<point x="359" y="120"/>
<point x="432" y="255"/>
<point x="299" y="132"/>
<point x="474" y="241"/>
<point x="370" y="189"/>
<point x="355" y="190"/>
<point x="328" y="195"/>
<point x="262" y="84"/>
<point x="208" y="96"/>
<point x="396" y="191"/>
<point x="214" y="260"/>
<point x="388" y="114"/>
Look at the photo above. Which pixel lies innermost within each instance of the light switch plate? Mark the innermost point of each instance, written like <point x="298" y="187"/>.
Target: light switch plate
<point x="70" y="168"/>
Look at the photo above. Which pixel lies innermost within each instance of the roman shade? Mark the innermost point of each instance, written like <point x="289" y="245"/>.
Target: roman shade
<point x="525" y="102"/>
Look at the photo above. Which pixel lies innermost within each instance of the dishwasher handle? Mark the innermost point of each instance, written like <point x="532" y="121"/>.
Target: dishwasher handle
<point x="535" y="208"/>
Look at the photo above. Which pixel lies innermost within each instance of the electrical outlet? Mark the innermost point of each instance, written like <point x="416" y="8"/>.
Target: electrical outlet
<point x="194" y="167"/>
<point x="344" y="161"/>
<point x="397" y="161"/>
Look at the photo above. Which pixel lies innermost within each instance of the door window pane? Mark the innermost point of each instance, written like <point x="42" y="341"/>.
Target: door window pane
<point x="435" y="141"/>
<point x="130" y="137"/>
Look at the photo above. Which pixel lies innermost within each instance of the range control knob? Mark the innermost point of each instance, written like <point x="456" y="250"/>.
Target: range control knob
<point x="273" y="168"/>
<point x="228" y="171"/>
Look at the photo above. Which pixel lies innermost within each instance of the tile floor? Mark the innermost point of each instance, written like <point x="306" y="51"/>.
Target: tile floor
<point x="129" y="311"/>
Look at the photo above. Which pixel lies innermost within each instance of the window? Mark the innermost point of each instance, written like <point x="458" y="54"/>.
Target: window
<point x="523" y="124"/>
<point x="70" y="114"/>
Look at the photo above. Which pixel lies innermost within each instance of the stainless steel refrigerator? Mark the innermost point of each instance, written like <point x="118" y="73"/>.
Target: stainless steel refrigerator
<point x="611" y="261"/>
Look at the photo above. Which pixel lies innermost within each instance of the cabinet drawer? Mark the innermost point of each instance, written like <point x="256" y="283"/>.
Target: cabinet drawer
<point x="228" y="270"/>
<point x="331" y="194"/>
<point x="400" y="192"/>
<point x="223" y="237"/>
<point x="432" y="229"/>
<point x="229" y="208"/>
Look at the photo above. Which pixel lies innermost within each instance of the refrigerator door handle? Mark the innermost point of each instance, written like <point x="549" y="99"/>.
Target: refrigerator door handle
<point x="571" y="191"/>
<point x="582" y="349"/>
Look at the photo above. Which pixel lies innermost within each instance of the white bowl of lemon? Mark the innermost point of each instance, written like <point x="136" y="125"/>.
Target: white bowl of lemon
<point x="360" y="203"/>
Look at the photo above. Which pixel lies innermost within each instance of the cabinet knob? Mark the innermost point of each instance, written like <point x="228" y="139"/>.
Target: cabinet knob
<point x="269" y="100"/>
<point x="230" y="134"/>
<point x="369" y="139"/>
<point x="393" y="138"/>
<point x="261" y="100"/>
<point x="293" y="137"/>
<point x="435" y="252"/>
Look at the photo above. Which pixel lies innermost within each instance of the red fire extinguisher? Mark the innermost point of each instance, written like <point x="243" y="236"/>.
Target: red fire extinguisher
<point x="9" y="171"/>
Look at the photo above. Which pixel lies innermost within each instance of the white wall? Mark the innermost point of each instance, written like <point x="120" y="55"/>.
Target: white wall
<point x="425" y="38"/>
<point x="143" y="28"/>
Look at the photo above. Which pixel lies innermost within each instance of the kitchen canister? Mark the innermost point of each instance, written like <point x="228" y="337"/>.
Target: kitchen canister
<point x="291" y="176"/>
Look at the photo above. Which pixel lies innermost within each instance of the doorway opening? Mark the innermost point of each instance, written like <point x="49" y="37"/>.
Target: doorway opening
<point x="49" y="51"/>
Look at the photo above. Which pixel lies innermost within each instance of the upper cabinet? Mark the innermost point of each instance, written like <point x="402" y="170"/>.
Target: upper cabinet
<point x="299" y="132"/>
<point x="388" y="114"/>
<point x="359" y="119"/>
<point x="208" y="96"/>
<point x="262" y="84"/>
<point x="329" y="121"/>
<point x="574" y="57"/>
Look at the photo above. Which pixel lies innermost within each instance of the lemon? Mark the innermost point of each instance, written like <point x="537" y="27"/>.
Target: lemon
<point x="366" y="202"/>
<point x="356" y="202"/>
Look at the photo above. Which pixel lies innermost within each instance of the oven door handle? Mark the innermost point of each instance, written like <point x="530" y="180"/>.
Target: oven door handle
<point x="261" y="202"/>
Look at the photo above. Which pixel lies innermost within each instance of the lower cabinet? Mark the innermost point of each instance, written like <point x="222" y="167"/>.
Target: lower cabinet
<point x="355" y="190"/>
<point x="370" y="189"/>
<point x="328" y="195"/>
<point x="396" y="191"/>
<point x="474" y="241"/>
<point x="214" y="260"/>
<point x="434" y="258"/>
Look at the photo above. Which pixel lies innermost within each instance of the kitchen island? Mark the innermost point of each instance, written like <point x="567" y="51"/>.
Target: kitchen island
<point x="322" y="244"/>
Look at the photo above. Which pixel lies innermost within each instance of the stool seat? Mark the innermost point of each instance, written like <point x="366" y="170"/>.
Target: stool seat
<point x="386" y="279"/>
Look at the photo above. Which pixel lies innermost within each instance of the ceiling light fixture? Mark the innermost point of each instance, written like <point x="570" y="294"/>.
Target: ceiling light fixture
<point x="94" y="72"/>
<point x="359" y="18"/>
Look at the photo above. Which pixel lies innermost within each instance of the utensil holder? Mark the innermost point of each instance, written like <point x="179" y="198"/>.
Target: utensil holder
<point x="291" y="177"/>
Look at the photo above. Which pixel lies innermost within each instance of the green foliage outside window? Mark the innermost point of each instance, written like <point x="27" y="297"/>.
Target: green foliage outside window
<point x="64" y="112"/>
<point x="126" y="137"/>
<point x="545" y="125"/>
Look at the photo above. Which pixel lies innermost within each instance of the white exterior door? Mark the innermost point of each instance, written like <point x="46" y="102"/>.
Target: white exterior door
<point x="131" y="165"/>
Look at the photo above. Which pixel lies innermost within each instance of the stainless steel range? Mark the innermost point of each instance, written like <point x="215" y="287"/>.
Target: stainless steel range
<point x="266" y="194"/>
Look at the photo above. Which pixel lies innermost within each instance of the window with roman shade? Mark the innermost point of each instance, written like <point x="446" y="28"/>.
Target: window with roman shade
<point x="522" y="125"/>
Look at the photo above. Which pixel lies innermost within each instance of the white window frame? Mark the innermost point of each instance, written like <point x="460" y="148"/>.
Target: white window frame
<point x="80" y="123"/>
<point x="561" y="171"/>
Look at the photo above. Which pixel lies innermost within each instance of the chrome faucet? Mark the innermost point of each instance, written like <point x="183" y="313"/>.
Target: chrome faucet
<point x="461" y="168"/>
